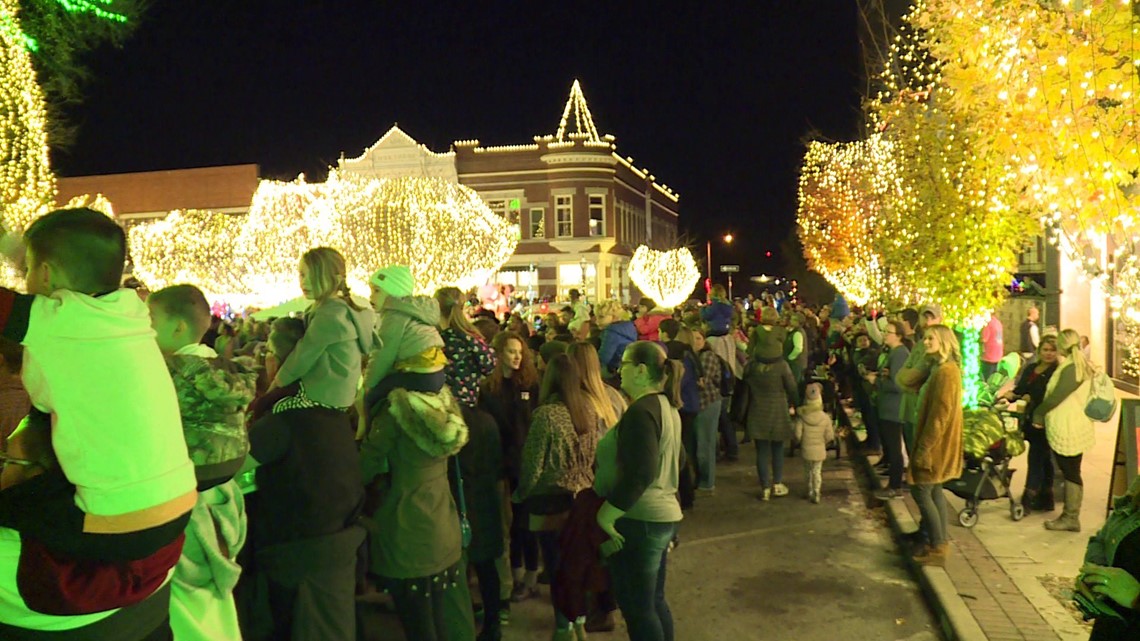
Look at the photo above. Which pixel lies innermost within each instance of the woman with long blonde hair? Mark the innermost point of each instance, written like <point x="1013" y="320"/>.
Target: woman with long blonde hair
<point x="327" y="361"/>
<point x="607" y="401"/>
<point x="1069" y="431"/>
<point x="937" y="455"/>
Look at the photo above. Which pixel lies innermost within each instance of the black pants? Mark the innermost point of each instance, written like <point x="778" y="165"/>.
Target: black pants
<point x="489" y="589"/>
<point x="548" y="540"/>
<point x="1070" y="468"/>
<point x="687" y="483"/>
<point x="524" y="545"/>
<point x="1039" y="475"/>
<point x="891" y="433"/>
<point x="434" y="608"/>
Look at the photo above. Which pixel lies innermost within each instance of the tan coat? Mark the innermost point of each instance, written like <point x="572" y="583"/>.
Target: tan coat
<point x="937" y="454"/>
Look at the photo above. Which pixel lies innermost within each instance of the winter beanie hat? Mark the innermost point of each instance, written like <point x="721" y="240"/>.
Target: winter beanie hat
<point x="394" y="280"/>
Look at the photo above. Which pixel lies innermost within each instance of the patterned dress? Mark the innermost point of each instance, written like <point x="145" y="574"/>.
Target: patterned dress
<point x="469" y="361"/>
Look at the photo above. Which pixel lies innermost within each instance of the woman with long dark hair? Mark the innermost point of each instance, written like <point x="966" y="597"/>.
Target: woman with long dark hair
<point x="510" y="395"/>
<point x="638" y="467"/>
<point x="557" y="462"/>
<point x="1030" y="387"/>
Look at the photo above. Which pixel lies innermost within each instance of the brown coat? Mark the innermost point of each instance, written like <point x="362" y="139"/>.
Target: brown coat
<point x="937" y="454"/>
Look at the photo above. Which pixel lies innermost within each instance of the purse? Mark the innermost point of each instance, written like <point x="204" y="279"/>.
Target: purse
<point x="464" y="523"/>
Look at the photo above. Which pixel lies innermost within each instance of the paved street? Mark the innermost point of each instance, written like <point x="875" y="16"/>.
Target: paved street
<point x="785" y="570"/>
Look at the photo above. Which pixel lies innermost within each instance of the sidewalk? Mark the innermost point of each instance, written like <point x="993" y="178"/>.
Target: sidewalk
<point x="1004" y="579"/>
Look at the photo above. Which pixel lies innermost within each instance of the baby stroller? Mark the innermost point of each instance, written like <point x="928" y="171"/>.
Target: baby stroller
<point x="989" y="447"/>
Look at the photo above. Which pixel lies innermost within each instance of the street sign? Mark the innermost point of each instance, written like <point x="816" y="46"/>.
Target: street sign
<point x="731" y="269"/>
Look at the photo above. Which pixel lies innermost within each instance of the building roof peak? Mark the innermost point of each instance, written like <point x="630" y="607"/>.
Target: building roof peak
<point x="583" y="121"/>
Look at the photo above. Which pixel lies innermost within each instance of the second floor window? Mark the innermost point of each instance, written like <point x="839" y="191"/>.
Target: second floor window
<point x="538" y="223"/>
<point x="597" y="215"/>
<point x="564" y="216"/>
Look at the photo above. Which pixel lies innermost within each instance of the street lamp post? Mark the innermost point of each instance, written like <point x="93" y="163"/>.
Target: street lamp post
<point x="727" y="238"/>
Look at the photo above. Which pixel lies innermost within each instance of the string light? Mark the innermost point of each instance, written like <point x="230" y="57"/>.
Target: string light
<point x="27" y="186"/>
<point x="188" y="246"/>
<point x="842" y="187"/>
<point x="443" y="231"/>
<point x="1054" y="86"/>
<point x="667" y="277"/>
<point x="954" y="231"/>
<point x="972" y="382"/>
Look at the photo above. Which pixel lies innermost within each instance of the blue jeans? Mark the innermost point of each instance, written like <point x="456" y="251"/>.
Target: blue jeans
<point x="638" y="574"/>
<point x="932" y="506"/>
<point x="707" y="422"/>
<point x="770" y="462"/>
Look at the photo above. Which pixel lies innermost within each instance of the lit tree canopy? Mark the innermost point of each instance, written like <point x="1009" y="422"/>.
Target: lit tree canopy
<point x="1057" y="84"/>
<point x="842" y="188"/>
<point x="443" y="231"/>
<point x="956" y="230"/>
<point x="191" y="246"/>
<point x="668" y="277"/>
<point x="27" y="187"/>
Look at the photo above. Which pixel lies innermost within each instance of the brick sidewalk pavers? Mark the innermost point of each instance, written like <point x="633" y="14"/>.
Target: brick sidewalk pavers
<point x="999" y="607"/>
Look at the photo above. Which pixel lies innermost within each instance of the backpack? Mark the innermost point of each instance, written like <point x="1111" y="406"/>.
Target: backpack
<point x="727" y="380"/>
<point x="1101" y="404"/>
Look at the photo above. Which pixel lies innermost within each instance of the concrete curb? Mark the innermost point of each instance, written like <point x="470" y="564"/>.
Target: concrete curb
<point x="958" y="623"/>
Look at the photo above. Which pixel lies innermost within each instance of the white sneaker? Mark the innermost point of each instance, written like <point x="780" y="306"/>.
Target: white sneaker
<point x="780" y="489"/>
<point x="766" y="494"/>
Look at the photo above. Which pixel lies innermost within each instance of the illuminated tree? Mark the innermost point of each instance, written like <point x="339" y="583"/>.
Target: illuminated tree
<point x="668" y="277"/>
<point x="842" y="189"/>
<point x="27" y="187"/>
<point x="442" y="231"/>
<point x="1057" y="84"/>
<point x="956" y="231"/>
<point x="191" y="246"/>
<point x="58" y="33"/>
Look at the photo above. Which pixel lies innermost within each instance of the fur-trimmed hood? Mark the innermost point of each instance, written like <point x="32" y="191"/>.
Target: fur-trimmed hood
<point x="434" y="422"/>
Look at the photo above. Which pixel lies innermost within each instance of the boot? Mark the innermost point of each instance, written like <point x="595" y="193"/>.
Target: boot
<point x="600" y="622"/>
<point x="1070" y="519"/>
<point x="1030" y="500"/>
<point x="933" y="555"/>
<point x="1045" y="500"/>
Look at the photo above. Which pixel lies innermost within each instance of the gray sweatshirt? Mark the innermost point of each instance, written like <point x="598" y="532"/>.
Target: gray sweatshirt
<point x="327" y="360"/>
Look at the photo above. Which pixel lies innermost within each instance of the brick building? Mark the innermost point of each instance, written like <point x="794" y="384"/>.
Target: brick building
<point x="580" y="208"/>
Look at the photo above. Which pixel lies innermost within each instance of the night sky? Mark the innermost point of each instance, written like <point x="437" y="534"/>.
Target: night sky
<point x="715" y="99"/>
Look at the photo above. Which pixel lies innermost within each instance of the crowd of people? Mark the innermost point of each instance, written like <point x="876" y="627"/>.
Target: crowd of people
<point x="169" y="474"/>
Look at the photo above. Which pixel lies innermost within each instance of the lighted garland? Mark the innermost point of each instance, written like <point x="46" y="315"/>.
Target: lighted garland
<point x="285" y="219"/>
<point x="842" y="188"/>
<point x="668" y="277"/>
<point x="188" y="246"/>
